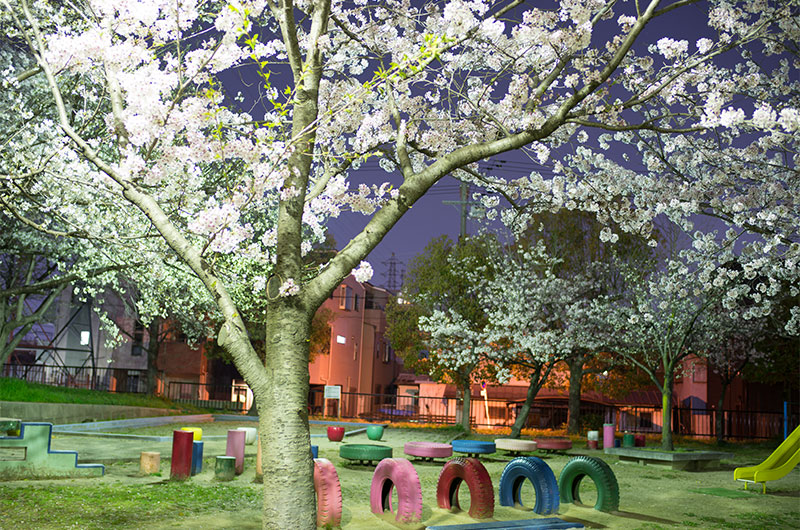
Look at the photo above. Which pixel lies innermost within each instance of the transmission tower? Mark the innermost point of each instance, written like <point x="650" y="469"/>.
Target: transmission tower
<point x="392" y="273"/>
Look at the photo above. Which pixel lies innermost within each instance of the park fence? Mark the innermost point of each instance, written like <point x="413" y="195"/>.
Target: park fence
<point x="544" y="415"/>
<point x="88" y="377"/>
<point x="229" y="398"/>
<point x="394" y="408"/>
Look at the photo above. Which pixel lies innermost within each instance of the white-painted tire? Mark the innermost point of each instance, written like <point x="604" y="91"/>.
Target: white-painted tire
<point x="513" y="444"/>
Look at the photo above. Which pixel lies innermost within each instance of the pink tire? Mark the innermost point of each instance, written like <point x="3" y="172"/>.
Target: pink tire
<point x="554" y="444"/>
<point x="481" y="491"/>
<point x="428" y="449"/>
<point x="329" y="493"/>
<point x="399" y="473"/>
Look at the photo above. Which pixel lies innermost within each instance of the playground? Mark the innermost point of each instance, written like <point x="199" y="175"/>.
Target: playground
<point x="650" y="496"/>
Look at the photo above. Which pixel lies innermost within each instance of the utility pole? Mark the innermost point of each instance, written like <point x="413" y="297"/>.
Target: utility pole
<point x="464" y="203"/>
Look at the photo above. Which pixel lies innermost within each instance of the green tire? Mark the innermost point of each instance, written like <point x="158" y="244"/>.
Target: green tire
<point x="604" y="480"/>
<point x="365" y="452"/>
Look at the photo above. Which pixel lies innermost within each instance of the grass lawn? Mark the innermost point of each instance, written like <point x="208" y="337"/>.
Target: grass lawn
<point x="650" y="496"/>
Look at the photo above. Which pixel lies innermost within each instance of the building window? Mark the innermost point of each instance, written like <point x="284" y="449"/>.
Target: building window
<point x="345" y="298"/>
<point x="700" y="374"/>
<point x="138" y="337"/>
<point x="355" y="302"/>
<point x="387" y="354"/>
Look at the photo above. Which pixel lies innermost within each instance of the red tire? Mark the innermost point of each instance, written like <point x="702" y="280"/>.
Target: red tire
<point x="329" y="493"/>
<point x="428" y="449"/>
<point x="400" y="473"/>
<point x="481" y="491"/>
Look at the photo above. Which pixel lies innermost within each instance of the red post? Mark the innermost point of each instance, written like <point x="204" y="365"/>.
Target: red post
<point x="181" y="467"/>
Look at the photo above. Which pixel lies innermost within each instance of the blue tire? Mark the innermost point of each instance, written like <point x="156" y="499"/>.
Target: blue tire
<point x="541" y="476"/>
<point x="473" y="446"/>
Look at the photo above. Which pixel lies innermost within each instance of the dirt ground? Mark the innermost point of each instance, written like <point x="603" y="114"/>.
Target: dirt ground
<point x="650" y="496"/>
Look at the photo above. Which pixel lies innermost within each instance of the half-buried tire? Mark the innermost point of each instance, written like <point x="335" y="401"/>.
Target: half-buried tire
<point x="473" y="446"/>
<point x="396" y="473"/>
<point x="329" y="493"/>
<point x="481" y="492"/>
<point x="605" y="481"/>
<point x="541" y="476"/>
<point x="364" y="452"/>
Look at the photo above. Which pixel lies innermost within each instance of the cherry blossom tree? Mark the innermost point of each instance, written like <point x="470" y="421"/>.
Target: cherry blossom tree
<point x="34" y="271"/>
<point x="657" y="322"/>
<point x="732" y="346"/>
<point x="535" y="318"/>
<point x="572" y="238"/>
<point x="123" y="132"/>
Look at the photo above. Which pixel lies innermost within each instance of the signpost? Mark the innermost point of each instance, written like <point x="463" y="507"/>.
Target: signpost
<point x="485" y="401"/>
<point x="333" y="392"/>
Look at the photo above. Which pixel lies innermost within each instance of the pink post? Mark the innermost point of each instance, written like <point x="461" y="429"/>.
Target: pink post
<point x="235" y="448"/>
<point x="181" y="467"/>
<point x="608" y="435"/>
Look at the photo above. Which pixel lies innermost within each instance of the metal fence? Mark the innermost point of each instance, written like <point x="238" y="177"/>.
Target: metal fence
<point x="737" y="424"/>
<point x="105" y="379"/>
<point x="210" y="396"/>
<point x="416" y="409"/>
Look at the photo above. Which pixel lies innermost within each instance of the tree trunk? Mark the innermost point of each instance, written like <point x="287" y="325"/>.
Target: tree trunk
<point x="575" y="379"/>
<point x="666" y="412"/>
<point x="522" y="418"/>
<point x="719" y="420"/>
<point x="466" y="411"/>
<point x="153" y="346"/>
<point x="289" y="499"/>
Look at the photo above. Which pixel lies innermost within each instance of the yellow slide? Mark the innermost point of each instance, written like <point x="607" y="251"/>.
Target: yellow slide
<point x="777" y="465"/>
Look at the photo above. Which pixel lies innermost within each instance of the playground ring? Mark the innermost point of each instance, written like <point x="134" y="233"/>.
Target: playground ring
<point x="396" y="473"/>
<point x="554" y="444"/>
<point x="541" y="476"/>
<point x="514" y="445"/>
<point x="473" y="447"/>
<point x="428" y="450"/>
<point x="329" y="493"/>
<point x="365" y="453"/>
<point x="605" y="481"/>
<point x="481" y="491"/>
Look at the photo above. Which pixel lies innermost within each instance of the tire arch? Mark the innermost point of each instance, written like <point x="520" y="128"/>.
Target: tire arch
<point x="541" y="476"/>
<point x="472" y="472"/>
<point x="605" y="481"/>
<point x="398" y="473"/>
<point x="329" y="493"/>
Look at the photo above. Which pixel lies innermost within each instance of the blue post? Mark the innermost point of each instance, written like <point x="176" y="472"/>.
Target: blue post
<point x="197" y="457"/>
<point x="785" y="419"/>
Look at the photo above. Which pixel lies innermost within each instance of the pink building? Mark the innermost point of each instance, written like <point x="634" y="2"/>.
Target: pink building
<point x="361" y="360"/>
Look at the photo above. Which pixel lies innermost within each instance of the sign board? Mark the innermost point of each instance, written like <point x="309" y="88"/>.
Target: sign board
<point x="333" y="392"/>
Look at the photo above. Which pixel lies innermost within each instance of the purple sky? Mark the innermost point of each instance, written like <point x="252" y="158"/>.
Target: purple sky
<point x="427" y="219"/>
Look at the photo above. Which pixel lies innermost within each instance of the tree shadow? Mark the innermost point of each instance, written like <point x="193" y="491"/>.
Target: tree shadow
<point x="643" y="517"/>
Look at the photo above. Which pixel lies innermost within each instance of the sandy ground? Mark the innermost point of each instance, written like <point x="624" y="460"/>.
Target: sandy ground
<point x="650" y="496"/>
